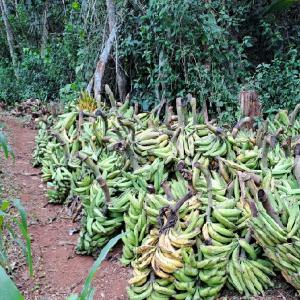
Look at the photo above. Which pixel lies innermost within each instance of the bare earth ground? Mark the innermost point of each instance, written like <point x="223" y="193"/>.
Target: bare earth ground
<point x="58" y="270"/>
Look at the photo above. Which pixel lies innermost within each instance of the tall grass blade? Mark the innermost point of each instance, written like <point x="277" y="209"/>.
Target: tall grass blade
<point x="4" y="144"/>
<point x="3" y="254"/>
<point x="24" y="230"/>
<point x="88" y="291"/>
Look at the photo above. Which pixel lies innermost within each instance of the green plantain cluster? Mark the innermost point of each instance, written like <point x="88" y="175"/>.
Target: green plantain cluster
<point x="202" y="207"/>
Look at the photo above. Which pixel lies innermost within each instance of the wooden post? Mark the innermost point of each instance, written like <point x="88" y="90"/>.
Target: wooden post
<point x="250" y="108"/>
<point x="250" y="105"/>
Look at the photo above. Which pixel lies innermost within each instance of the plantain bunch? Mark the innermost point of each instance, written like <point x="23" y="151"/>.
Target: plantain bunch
<point x="202" y="206"/>
<point x="284" y="125"/>
<point x="247" y="273"/>
<point x="136" y="227"/>
<point x="41" y="140"/>
<point x="56" y="173"/>
<point x="101" y="220"/>
<point x="86" y="102"/>
<point x="279" y="238"/>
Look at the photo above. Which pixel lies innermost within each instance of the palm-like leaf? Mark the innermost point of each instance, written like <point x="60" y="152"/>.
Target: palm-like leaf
<point x="8" y="289"/>
<point x="279" y="5"/>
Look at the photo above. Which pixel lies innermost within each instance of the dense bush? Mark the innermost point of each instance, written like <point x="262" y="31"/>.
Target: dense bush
<point x="211" y="50"/>
<point x="187" y="48"/>
<point x="278" y="82"/>
<point x="38" y="77"/>
<point x="8" y="92"/>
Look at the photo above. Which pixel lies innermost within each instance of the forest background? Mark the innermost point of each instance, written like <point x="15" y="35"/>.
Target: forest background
<point x="158" y="50"/>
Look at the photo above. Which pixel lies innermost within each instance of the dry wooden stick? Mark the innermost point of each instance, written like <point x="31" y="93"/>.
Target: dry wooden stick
<point x="64" y="143"/>
<point x="261" y="132"/>
<point x="179" y="112"/>
<point x="253" y="208"/>
<point x="296" y="169"/>
<point x="215" y="130"/>
<point x="269" y="141"/>
<point x="252" y="187"/>
<point x="242" y="186"/>
<point x="128" y="124"/>
<point x="111" y="96"/>
<point x="205" y="112"/>
<point x="286" y="145"/>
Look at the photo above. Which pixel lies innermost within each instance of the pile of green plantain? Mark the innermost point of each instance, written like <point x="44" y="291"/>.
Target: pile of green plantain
<point x="202" y="207"/>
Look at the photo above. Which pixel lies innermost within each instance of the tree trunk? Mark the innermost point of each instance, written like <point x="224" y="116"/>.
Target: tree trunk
<point x="111" y="12"/>
<point x="9" y="35"/>
<point x="100" y="68"/>
<point x="120" y="75"/>
<point x="250" y="105"/>
<point x="90" y="85"/>
<point x="45" y="29"/>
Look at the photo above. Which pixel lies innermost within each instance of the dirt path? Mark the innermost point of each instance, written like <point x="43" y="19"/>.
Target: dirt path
<point x="58" y="270"/>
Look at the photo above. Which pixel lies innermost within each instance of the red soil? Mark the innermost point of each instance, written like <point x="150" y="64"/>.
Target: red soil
<point x="58" y="270"/>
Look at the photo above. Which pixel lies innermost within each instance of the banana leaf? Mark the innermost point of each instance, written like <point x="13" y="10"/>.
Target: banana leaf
<point x="8" y="289"/>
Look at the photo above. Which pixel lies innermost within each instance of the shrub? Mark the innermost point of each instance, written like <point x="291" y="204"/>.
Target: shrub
<point x="278" y="83"/>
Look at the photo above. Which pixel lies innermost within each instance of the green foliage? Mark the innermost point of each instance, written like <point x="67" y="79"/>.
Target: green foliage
<point x="278" y="82"/>
<point x="279" y="5"/>
<point x="187" y="48"/>
<point x="22" y="224"/>
<point x="7" y="83"/>
<point x="4" y="146"/>
<point x="8" y="223"/>
<point x="8" y="289"/>
<point x="8" y="234"/>
<point x="166" y="48"/>
<point x="33" y="76"/>
<point x="38" y="77"/>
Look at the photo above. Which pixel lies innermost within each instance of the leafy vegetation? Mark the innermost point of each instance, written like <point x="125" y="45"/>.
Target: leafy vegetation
<point x="8" y="224"/>
<point x="212" y="50"/>
<point x="278" y="82"/>
<point x="9" y="221"/>
<point x="8" y="289"/>
<point x="4" y="146"/>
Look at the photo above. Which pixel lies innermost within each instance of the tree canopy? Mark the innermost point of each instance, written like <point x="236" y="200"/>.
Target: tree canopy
<point x="162" y="49"/>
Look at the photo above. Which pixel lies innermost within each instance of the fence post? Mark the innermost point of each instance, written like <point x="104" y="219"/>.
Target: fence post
<point x="250" y="105"/>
